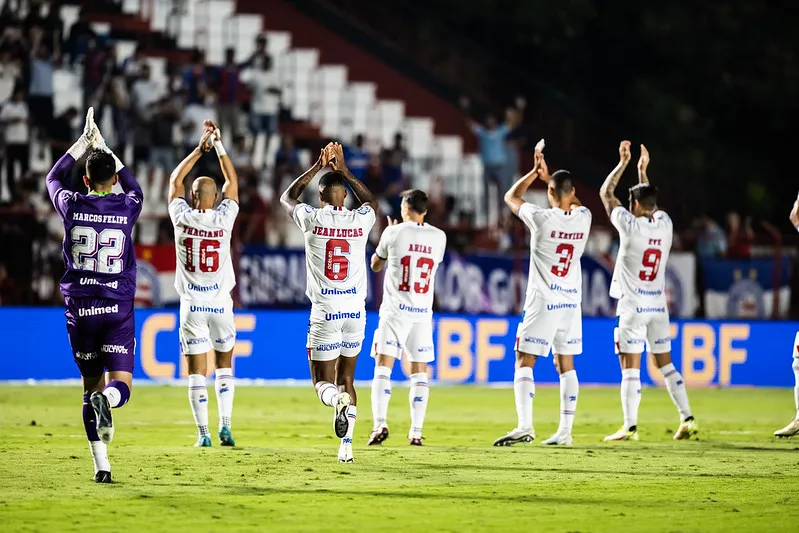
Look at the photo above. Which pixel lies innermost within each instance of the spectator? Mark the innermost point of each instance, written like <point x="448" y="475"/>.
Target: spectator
<point x="61" y="135"/>
<point x="144" y="93"/>
<point x="118" y="96"/>
<point x="9" y="74"/>
<point x="254" y="211"/>
<point x="40" y="96"/>
<point x="239" y="155"/>
<point x="195" y="78"/>
<point x="192" y="125"/>
<point x="133" y="66"/>
<point x="287" y="163"/>
<point x="493" y="155"/>
<point x="514" y="142"/>
<point x="391" y="160"/>
<point x="164" y="115"/>
<point x="14" y="116"/>
<point x="81" y="35"/>
<point x="259" y="54"/>
<point x="357" y="158"/>
<point x="228" y="90"/>
<point x="265" y="104"/>
<point x="93" y="73"/>
<point x="739" y="239"/>
<point x="711" y="242"/>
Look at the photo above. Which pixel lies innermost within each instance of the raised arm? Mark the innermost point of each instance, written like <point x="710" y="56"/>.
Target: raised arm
<point x="230" y="189"/>
<point x="643" y="163"/>
<point x="57" y="176"/>
<point x="290" y="197"/>
<point x="378" y="262"/>
<point x="608" y="189"/>
<point x="795" y="213"/>
<point x="514" y="198"/>
<point x="362" y="194"/>
<point x="176" y="189"/>
<point x="126" y="180"/>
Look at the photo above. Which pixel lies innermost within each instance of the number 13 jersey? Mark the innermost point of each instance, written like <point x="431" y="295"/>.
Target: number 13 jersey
<point x="335" y="255"/>
<point x="204" y="270"/>
<point x="412" y="253"/>
<point x="639" y="274"/>
<point x="557" y="241"/>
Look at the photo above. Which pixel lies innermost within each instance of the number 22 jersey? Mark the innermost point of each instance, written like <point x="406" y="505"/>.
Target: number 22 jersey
<point x="557" y="241"/>
<point x="335" y="255"/>
<point x="204" y="270"/>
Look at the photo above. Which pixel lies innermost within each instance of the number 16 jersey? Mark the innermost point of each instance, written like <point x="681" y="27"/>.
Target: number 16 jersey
<point x="204" y="270"/>
<point x="557" y="241"/>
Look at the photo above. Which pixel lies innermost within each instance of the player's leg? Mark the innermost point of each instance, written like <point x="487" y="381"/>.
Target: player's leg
<point x="793" y="428"/>
<point x="223" y="339"/>
<point x="420" y="351"/>
<point x="352" y="334"/>
<point x="629" y="340"/>
<point x="324" y="348"/>
<point x="568" y="342"/>
<point x="389" y="340"/>
<point x="98" y="449"/>
<point x="194" y="343"/>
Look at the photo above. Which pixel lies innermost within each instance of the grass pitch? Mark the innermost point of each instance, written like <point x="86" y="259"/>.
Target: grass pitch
<point x="283" y="476"/>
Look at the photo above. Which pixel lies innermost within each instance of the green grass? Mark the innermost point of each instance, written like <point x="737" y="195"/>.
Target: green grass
<point x="284" y="475"/>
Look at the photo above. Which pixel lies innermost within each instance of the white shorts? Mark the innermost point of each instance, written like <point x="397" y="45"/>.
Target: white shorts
<point x="331" y="335"/>
<point x="395" y="335"/>
<point x="642" y="328"/>
<point x="546" y="325"/>
<point x="204" y="325"/>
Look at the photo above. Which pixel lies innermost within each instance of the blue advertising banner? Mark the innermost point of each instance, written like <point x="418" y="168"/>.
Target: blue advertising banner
<point x="469" y="349"/>
<point x="746" y="288"/>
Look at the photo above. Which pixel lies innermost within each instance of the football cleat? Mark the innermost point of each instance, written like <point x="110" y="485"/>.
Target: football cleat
<point x="378" y="436"/>
<point x="341" y="422"/>
<point x="105" y="423"/>
<point x="515" y="437"/>
<point x="416" y="442"/>
<point x="203" y="442"/>
<point x="622" y="434"/>
<point x="102" y="476"/>
<point x="687" y="429"/>
<point x="345" y="451"/>
<point x="225" y="437"/>
<point x="788" y="431"/>
<point x="558" y="440"/>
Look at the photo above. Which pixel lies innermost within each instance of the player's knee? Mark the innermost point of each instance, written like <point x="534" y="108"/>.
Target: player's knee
<point x="525" y="360"/>
<point x="662" y="359"/>
<point x="796" y="364"/>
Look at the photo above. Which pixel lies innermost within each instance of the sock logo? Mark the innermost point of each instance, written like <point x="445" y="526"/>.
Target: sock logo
<point x="572" y="398"/>
<point x="387" y="391"/>
<point x="224" y="389"/>
<point x="418" y="399"/>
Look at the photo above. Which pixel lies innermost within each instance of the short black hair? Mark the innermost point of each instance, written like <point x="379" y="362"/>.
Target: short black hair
<point x="561" y="182"/>
<point x="417" y="200"/>
<point x="100" y="167"/>
<point x="328" y="181"/>
<point x="647" y="195"/>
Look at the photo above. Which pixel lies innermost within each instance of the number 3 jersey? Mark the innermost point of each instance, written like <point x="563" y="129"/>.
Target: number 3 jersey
<point x="413" y="252"/>
<point x="335" y="255"/>
<point x="639" y="274"/>
<point x="557" y="241"/>
<point x="202" y="243"/>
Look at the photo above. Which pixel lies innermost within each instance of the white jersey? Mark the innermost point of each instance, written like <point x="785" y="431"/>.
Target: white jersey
<point x="335" y="255"/>
<point x="640" y="272"/>
<point x="557" y="241"/>
<point x="204" y="270"/>
<point x="412" y="253"/>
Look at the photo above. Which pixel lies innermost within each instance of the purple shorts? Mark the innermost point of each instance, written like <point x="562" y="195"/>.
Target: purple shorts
<point x="102" y="334"/>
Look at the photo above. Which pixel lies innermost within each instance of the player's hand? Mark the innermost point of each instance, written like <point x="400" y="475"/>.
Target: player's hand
<point x="643" y="161"/>
<point x="206" y="141"/>
<point x="624" y="152"/>
<point x="324" y="156"/>
<point x="336" y="156"/>
<point x="391" y="221"/>
<point x="543" y="169"/>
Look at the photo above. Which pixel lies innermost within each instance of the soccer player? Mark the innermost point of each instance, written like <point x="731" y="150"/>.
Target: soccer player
<point x="411" y="252"/>
<point x="335" y="261"/>
<point x="100" y="281"/>
<point x="204" y="278"/>
<point x="639" y="283"/>
<point x="552" y="314"/>
<point x="793" y="428"/>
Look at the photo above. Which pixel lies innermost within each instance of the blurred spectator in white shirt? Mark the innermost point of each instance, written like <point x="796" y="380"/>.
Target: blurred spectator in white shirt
<point x="14" y="118"/>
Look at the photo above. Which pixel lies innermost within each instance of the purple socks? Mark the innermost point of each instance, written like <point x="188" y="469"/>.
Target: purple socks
<point x="117" y="392"/>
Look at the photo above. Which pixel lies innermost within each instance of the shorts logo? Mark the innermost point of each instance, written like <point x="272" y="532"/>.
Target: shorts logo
<point x="202" y="288"/>
<point x="328" y="347"/>
<point x="411" y="309"/>
<point x="92" y="281"/>
<point x="393" y="343"/>
<point x="342" y="316"/>
<point x="94" y="311"/>
<point x="85" y="356"/>
<point x="350" y="345"/>
<point x="635" y="341"/>
<point x="201" y="340"/>
<point x="224" y="339"/>
<point x="425" y="349"/>
<point x="206" y="309"/>
<point x="576" y="340"/>
<point x="555" y="307"/>
<point x="662" y="341"/>
<point x="338" y="292"/>
<point x="114" y="348"/>
<point x="535" y="340"/>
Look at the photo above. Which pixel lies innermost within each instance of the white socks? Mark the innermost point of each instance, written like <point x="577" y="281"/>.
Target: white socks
<point x="352" y="415"/>
<point x="99" y="456"/>
<point x="327" y="392"/>
<point x="676" y="387"/>
<point x="796" y="386"/>
<point x="225" y="388"/>
<point x="417" y="397"/>
<point x="569" y="388"/>
<point x="381" y="395"/>
<point x="524" y="391"/>
<point x="630" y="395"/>
<point x="198" y="399"/>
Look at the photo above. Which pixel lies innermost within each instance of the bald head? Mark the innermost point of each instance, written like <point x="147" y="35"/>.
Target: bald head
<point x="203" y="193"/>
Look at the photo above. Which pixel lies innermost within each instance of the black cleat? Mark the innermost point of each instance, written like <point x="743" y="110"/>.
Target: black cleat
<point x="341" y="421"/>
<point x="378" y="436"/>
<point x="416" y="442"/>
<point x="102" y="476"/>
<point x="515" y="437"/>
<point x="105" y="423"/>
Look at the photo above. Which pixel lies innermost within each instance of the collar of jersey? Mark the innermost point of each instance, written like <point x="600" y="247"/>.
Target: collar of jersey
<point x="335" y="207"/>
<point x="99" y="193"/>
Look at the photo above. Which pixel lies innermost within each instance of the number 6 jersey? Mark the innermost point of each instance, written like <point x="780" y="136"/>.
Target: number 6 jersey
<point x="639" y="274"/>
<point x="413" y="252"/>
<point x="204" y="269"/>
<point x="335" y="255"/>
<point x="557" y="241"/>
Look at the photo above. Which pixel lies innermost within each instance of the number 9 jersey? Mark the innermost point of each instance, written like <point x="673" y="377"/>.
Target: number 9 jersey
<point x="204" y="270"/>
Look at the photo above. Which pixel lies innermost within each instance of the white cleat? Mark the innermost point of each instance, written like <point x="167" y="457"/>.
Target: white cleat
<point x="345" y="451"/>
<point x="341" y="422"/>
<point x="622" y="434"/>
<point x="788" y="431"/>
<point x="686" y="430"/>
<point x="558" y="440"/>
<point x="515" y="437"/>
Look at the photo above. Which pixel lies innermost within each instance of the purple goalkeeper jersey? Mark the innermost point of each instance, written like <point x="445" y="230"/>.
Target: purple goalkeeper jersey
<point x="98" y="249"/>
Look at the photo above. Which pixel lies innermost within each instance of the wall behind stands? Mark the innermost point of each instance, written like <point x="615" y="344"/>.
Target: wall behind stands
<point x="469" y="349"/>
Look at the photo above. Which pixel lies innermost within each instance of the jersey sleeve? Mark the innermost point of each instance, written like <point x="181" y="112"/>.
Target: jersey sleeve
<point x="663" y="217"/>
<point x="367" y="216"/>
<point x="527" y="214"/>
<point x="56" y="179"/>
<point x="303" y="214"/>
<point x="443" y="247"/>
<point x="178" y="208"/>
<point x="385" y="243"/>
<point x="227" y="212"/>
<point x="622" y="220"/>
